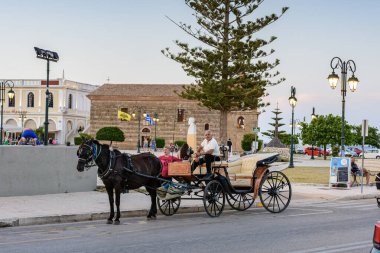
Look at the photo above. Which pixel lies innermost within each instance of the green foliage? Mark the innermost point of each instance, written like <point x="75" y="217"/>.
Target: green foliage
<point x="179" y="143"/>
<point x="246" y="143"/>
<point x="372" y="139"/>
<point x="326" y="129"/>
<point x="230" y="70"/>
<point x="110" y="134"/>
<point x="82" y="138"/>
<point x="286" y="139"/>
<point x="276" y="124"/>
<point x="40" y="133"/>
<point x="335" y="150"/>
<point x="160" y="142"/>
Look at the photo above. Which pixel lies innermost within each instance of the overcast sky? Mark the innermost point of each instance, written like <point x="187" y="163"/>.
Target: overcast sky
<point x="122" y="39"/>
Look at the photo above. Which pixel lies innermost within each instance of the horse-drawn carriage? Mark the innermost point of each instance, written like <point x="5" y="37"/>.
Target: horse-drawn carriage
<point x="117" y="170"/>
<point x="240" y="189"/>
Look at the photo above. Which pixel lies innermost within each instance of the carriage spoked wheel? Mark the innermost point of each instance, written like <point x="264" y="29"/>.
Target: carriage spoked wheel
<point x="275" y="192"/>
<point x="240" y="201"/>
<point x="213" y="198"/>
<point x="169" y="207"/>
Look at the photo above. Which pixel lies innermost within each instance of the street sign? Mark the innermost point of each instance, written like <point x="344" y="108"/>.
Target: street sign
<point x="256" y="130"/>
<point x="365" y="127"/>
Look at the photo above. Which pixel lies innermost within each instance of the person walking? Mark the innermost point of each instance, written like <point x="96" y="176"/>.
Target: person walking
<point x="229" y="144"/>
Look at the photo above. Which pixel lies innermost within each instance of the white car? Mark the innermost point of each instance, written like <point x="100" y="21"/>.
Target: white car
<point x="371" y="153"/>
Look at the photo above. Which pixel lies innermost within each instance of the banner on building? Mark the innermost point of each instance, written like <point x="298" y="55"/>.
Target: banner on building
<point x="123" y="116"/>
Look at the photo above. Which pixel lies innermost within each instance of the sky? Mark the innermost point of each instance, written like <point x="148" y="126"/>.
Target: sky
<point x="122" y="40"/>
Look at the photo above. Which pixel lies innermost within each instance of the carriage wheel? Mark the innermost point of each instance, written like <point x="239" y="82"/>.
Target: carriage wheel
<point x="275" y="191"/>
<point x="170" y="206"/>
<point x="213" y="198"/>
<point x="240" y="201"/>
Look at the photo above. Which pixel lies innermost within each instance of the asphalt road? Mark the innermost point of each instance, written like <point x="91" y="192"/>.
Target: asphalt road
<point x="306" y="226"/>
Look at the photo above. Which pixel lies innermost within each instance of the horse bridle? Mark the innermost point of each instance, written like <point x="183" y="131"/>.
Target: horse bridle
<point x="91" y="159"/>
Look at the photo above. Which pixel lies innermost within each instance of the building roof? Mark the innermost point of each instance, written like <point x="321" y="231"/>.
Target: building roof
<point x="137" y="90"/>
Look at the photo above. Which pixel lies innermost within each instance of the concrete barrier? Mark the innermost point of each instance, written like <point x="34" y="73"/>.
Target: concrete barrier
<point x="35" y="170"/>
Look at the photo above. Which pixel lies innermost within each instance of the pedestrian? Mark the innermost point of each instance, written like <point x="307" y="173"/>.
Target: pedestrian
<point x="229" y="144"/>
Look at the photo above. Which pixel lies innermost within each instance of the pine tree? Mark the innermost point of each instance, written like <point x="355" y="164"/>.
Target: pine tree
<point x="277" y="124"/>
<point x="230" y="71"/>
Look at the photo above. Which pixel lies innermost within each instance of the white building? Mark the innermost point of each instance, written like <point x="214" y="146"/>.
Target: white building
<point x="69" y="108"/>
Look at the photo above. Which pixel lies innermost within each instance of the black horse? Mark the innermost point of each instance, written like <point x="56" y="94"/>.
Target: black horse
<point x="120" y="171"/>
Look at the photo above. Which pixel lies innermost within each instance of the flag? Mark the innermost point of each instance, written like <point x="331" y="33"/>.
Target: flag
<point x="123" y="116"/>
<point x="149" y="119"/>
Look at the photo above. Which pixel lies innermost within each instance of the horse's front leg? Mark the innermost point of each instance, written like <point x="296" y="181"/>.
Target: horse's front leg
<point x="117" y="201"/>
<point x="153" y="208"/>
<point x="109" y="189"/>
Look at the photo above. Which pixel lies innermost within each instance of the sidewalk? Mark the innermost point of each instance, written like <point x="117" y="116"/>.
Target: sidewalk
<point x="84" y="206"/>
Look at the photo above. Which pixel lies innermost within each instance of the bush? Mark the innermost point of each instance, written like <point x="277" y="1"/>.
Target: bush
<point x="246" y="143"/>
<point x="160" y="142"/>
<point x="110" y="134"/>
<point x="335" y="151"/>
<point x="179" y="143"/>
<point x="82" y="138"/>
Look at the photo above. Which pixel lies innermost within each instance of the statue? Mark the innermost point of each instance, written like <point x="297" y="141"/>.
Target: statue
<point x="192" y="134"/>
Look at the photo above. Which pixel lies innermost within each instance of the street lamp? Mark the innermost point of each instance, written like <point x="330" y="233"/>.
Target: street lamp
<point x="22" y="116"/>
<point x="48" y="56"/>
<point x="313" y="116"/>
<point x="292" y="102"/>
<point x="333" y="78"/>
<point x="138" y="109"/>
<point x="11" y="95"/>
<point x="155" y="119"/>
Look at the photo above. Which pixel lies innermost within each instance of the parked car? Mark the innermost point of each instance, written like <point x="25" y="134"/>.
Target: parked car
<point x="299" y="150"/>
<point x="357" y="151"/>
<point x="315" y="150"/>
<point x="376" y="239"/>
<point x="371" y="153"/>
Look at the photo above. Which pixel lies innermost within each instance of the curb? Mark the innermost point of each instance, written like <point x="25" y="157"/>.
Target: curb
<point x="15" y="222"/>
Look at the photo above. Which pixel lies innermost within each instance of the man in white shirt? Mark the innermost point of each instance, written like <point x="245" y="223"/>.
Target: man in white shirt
<point x="209" y="149"/>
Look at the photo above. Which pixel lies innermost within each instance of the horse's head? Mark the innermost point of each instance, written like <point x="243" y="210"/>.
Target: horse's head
<point x="86" y="153"/>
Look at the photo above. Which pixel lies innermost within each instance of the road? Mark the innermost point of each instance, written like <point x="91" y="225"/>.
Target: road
<point x="306" y="226"/>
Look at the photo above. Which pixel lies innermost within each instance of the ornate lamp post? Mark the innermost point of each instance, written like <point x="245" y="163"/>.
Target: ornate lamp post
<point x="48" y="56"/>
<point x="333" y="78"/>
<point x="22" y="117"/>
<point x="313" y="116"/>
<point x="155" y="120"/>
<point x="138" y="109"/>
<point x="292" y="102"/>
<point x="11" y="95"/>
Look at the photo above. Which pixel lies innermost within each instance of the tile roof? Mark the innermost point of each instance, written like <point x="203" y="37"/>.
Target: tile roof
<point x="141" y="90"/>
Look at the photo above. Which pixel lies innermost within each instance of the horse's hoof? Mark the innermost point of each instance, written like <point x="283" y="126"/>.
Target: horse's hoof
<point x="109" y="221"/>
<point x="116" y="222"/>
<point x="151" y="217"/>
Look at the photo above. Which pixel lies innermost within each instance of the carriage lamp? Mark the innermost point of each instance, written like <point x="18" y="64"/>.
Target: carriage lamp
<point x="48" y="56"/>
<point x="353" y="81"/>
<point x="293" y="103"/>
<point x="11" y="95"/>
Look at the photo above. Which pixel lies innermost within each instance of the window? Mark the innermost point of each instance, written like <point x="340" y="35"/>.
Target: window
<point x="207" y="126"/>
<point x="181" y="115"/>
<point x="30" y="102"/>
<point x="70" y="103"/>
<point x="51" y="100"/>
<point x="11" y="101"/>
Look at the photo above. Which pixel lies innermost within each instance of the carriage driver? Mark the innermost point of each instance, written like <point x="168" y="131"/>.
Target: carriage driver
<point x="209" y="149"/>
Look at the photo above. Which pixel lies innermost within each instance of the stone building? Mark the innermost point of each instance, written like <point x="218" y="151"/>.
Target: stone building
<point x="69" y="108"/>
<point x="171" y="110"/>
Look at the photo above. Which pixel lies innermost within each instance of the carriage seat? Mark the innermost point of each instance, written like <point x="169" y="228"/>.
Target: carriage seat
<point x="241" y="171"/>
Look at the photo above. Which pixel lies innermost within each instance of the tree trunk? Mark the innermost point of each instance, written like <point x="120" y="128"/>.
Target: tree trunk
<point x="324" y="148"/>
<point x="223" y="127"/>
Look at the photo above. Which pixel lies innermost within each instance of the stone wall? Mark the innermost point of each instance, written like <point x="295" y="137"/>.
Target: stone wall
<point x="284" y="152"/>
<point x="104" y="113"/>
